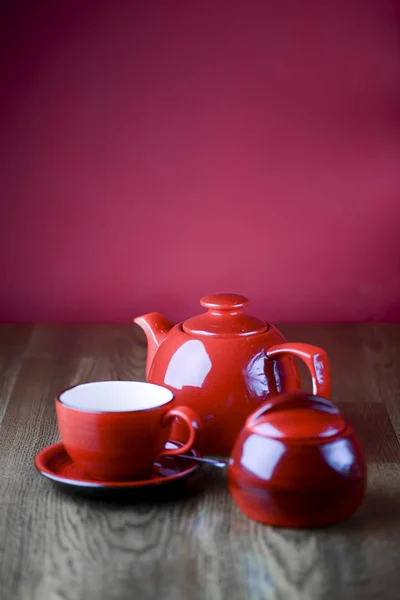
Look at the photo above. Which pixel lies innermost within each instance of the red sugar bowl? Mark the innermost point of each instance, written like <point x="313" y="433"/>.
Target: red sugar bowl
<point x="297" y="463"/>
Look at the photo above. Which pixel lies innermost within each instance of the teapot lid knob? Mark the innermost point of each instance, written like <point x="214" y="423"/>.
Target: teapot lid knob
<point x="224" y="301"/>
<point x="224" y="318"/>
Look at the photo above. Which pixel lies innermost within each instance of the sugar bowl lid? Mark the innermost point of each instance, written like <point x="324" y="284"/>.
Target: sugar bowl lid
<point x="224" y="318"/>
<point x="297" y="417"/>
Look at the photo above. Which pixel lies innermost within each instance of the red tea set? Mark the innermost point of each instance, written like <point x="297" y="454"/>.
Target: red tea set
<point x="222" y="388"/>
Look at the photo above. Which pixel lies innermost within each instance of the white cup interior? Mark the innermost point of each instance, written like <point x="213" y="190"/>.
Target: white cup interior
<point x="115" y="396"/>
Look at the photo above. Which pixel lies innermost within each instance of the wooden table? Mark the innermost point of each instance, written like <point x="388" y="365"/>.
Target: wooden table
<point x="53" y="546"/>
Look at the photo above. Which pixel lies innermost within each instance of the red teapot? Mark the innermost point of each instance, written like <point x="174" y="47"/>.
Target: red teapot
<point x="223" y="364"/>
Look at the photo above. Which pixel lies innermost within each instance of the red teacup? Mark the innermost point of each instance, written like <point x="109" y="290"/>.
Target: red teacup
<point x="115" y="430"/>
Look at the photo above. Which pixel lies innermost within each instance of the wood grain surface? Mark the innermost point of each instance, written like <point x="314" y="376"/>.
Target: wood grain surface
<point x="53" y="546"/>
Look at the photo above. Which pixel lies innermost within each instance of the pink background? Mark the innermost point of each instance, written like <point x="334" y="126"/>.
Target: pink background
<point x="156" y="151"/>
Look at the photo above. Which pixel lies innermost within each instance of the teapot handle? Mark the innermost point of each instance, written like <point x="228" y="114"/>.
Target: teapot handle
<point x="291" y="400"/>
<point x="316" y="360"/>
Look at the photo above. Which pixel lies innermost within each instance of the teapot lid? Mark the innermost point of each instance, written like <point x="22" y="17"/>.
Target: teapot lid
<point x="298" y="416"/>
<point x="224" y="318"/>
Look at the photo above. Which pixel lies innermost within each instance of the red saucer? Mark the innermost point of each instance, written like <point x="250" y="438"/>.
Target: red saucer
<point x="55" y="464"/>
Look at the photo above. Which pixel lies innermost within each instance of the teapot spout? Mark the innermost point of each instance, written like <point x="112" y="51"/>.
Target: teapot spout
<point x="156" y="328"/>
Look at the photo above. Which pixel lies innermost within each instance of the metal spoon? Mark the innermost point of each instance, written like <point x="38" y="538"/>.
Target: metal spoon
<point x="208" y="461"/>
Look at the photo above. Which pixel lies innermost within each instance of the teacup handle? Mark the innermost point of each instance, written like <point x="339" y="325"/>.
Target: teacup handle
<point x="316" y="360"/>
<point x="189" y="417"/>
<point x="291" y="400"/>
